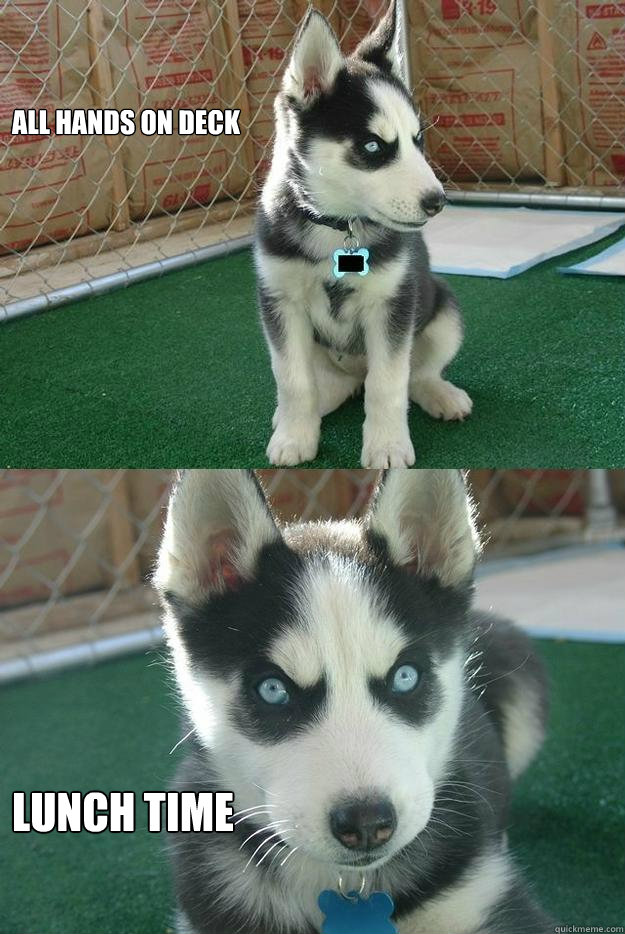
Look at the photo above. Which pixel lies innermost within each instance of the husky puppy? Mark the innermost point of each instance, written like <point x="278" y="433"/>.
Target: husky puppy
<point x="368" y="721"/>
<point x="349" y="145"/>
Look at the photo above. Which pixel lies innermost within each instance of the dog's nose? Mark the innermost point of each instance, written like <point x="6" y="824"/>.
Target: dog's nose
<point x="433" y="202"/>
<point x="363" y="824"/>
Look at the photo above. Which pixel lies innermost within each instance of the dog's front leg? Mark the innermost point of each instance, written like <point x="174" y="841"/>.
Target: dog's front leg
<point x="386" y="439"/>
<point x="296" y="421"/>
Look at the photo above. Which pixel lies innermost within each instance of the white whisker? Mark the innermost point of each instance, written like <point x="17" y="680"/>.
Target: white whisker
<point x="254" y="807"/>
<point x="275" y="855"/>
<point x="265" y="790"/>
<point x="255" y="814"/>
<point x="270" y="826"/>
<point x="288" y="856"/>
<point x="180" y="742"/>
<point x="272" y="847"/>
<point x="445" y="810"/>
<point x="260" y="846"/>
<point x="456" y="830"/>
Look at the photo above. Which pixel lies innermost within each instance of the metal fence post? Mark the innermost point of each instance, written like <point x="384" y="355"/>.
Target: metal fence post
<point x="600" y="513"/>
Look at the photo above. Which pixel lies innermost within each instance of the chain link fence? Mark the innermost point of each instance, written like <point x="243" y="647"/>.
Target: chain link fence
<point x="77" y="546"/>
<point x="524" y="99"/>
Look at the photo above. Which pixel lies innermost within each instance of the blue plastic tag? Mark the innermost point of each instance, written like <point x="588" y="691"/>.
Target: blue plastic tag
<point x="346" y="261"/>
<point x="356" y="915"/>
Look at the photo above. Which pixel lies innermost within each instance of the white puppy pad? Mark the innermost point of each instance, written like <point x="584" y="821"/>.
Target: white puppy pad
<point x="574" y="593"/>
<point x="610" y="262"/>
<point x="502" y="242"/>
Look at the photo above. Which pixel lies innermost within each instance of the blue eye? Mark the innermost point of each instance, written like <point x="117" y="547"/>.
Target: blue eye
<point x="273" y="691"/>
<point x="372" y="146"/>
<point x="418" y="139"/>
<point x="405" y="679"/>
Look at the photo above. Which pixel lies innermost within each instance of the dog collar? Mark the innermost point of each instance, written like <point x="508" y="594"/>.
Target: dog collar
<point x="336" y="223"/>
<point x="352" y="258"/>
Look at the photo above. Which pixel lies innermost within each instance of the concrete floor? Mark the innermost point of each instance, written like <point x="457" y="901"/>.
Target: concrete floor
<point x="576" y="593"/>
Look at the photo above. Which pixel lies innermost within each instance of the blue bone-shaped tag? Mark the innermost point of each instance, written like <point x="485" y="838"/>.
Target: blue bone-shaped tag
<point x="351" y="261"/>
<point x="357" y="915"/>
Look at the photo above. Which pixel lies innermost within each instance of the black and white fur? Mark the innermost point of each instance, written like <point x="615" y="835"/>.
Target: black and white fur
<point x="332" y="609"/>
<point x="395" y="329"/>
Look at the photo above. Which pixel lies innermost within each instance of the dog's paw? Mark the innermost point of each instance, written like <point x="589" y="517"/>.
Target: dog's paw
<point x="378" y="451"/>
<point x="441" y="399"/>
<point x="293" y="443"/>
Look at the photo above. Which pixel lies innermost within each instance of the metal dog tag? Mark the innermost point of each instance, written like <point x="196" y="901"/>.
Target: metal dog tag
<point x="351" y="261"/>
<point x="353" y="914"/>
<point x="353" y="257"/>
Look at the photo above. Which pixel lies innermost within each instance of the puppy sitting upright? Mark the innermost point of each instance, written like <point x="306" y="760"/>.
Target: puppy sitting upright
<point x="348" y="178"/>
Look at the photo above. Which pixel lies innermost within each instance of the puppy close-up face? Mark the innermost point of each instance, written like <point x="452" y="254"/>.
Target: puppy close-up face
<point x="320" y="663"/>
<point x="356" y="138"/>
<point x="352" y="684"/>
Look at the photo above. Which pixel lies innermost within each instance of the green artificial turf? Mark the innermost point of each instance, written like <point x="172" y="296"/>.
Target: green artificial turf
<point x="174" y="372"/>
<point x="112" y="728"/>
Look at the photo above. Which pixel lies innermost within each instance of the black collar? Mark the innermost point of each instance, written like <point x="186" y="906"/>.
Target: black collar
<point x="336" y="223"/>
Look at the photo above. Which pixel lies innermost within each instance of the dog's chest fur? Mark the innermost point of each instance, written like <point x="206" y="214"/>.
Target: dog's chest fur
<point x="340" y="309"/>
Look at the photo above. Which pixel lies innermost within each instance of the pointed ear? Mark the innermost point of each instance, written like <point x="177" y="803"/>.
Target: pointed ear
<point x="217" y="522"/>
<point x="427" y="520"/>
<point x="381" y="47"/>
<point x="315" y="61"/>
